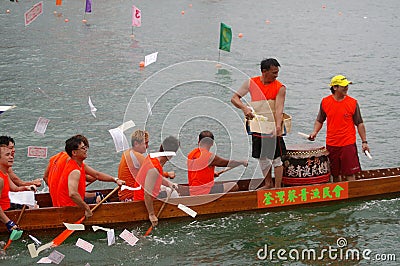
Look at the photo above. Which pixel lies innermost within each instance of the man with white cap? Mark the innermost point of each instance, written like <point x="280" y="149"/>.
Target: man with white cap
<point x="343" y="115"/>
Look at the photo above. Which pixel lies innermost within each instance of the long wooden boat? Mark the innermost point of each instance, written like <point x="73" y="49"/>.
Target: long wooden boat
<point x="371" y="183"/>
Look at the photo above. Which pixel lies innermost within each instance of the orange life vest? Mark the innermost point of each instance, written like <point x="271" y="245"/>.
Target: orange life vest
<point x="63" y="198"/>
<point x="4" y="198"/>
<point x="56" y="167"/>
<point x="200" y="173"/>
<point x="148" y="163"/>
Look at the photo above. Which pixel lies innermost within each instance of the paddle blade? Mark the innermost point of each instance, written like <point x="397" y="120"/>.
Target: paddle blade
<point x="65" y="234"/>
<point x="148" y="231"/>
<point x="16" y="234"/>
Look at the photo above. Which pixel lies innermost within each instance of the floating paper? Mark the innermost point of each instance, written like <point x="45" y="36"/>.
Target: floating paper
<point x="33" y="13"/>
<point x="56" y="257"/>
<point x="5" y="108"/>
<point x="41" y="125"/>
<point x="35" y="252"/>
<point x="148" y="107"/>
<point x="22" y="197"/>
<point x="123" y="187"/>
<point x="110" y="237"/>
<point x="129" y="237"/>
<point x="120" y="141"/>
<point x="45" y="260"/>
<point x="187" y="210"/>
<point x="84" y="245"/>
<point x="92" y="108"/>
<point x="151" y="58"/>
<point x="37" y="152"/>
<point x="37" y="242"/>
<point x="95" y="228"/>
<point x="163" y="153"/>
<point x="127" y="125"/>
<point x="75" y="227"/>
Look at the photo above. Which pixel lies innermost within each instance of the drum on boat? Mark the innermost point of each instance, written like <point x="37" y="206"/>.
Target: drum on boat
<point x="305" y="164"/>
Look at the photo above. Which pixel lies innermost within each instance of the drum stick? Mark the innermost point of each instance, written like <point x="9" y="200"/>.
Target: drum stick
<point x="303" y="135"/>
<point x="368" y="154"/>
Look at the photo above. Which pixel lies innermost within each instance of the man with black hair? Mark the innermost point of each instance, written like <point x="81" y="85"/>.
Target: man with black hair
<point x="201" y="165"/>
<point x="267" y="93"/>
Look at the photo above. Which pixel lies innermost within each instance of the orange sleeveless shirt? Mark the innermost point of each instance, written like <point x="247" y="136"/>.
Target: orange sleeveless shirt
<point x="4" y="198"/>
<point x="200" y="174"/>
<point x="148" y="163"/>
<point x="56" y="167"/>
<point x="128" y="172"/>
<point x="259" y="91"/>
<point x="63" y="198"/>
<point x="341" y="130"/>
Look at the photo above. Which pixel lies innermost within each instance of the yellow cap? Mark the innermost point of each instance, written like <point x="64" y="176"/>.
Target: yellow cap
<point x="339" y="80"/>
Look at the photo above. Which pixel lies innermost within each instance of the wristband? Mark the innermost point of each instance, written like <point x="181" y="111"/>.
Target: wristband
<point x="10" y="224"/>
<point x="365" y="142"/>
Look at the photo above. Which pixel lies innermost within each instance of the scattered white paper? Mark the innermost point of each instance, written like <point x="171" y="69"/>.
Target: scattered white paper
<point x="45" y="260"/>
<point x="41" y="125"/>
<point x="22" y="197"/>
<point x="368" y="154"/>
<point x="4" y="108"/>
<point x="126" y="125"/>
<point x="123" y="187"/>
<point x="95" y="228"/>
<point x="84" y="245"/>
<point x="120" y="141"/>
<point x="35" y="252"/>
<point x="151" y="58"/>
<point x="37" y="242"/>
<point x="148" y="107"/>
<point x="37" y="152"/>
<point x="188" y="210"/>
<point x="56" y="257"/>
<point x="92" y="108"/>
<point x="111" y="237"/>
<point x="129" y="237"/>
<point x="163" y="153"/>
<point x="33" y="13"/>
<point x="75" y="227"/>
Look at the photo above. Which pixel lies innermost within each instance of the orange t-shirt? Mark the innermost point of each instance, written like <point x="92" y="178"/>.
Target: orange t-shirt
<point x="128" y="172"/>
<point x="63" y="198"/>
<point x="4" y="198"/>
<point x="56" y="167"/>
<point x="200" y="173"/>
<point x="148" y="163"/>
<point x="259" y="91"/>
<point x="340" y="130"/>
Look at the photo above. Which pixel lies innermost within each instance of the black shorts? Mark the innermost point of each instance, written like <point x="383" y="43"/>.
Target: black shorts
<point x="266" y="147"/>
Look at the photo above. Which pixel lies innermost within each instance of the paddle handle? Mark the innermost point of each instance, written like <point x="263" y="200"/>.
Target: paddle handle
<point x="20" y="214"/>
<point x="159" y="212"/>
<point x="225" y="170"/>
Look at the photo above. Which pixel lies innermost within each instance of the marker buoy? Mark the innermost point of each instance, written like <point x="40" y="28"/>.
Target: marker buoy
<point x="141" y="64"/>
<point x="240" y="35"/>
<point x="66" y="20"/>
<point x="183" y="12"/>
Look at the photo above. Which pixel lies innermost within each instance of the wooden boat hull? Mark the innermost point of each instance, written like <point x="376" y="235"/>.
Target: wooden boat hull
<point x="370" y="183"/>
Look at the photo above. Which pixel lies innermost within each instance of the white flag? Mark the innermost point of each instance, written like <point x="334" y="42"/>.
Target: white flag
<point x="149" y="59"/>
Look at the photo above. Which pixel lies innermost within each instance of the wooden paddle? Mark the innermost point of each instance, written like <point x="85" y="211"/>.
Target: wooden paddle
<point x="66" y="233"/>
<point x="15" y="234"/>
<point x="159" y="212"/>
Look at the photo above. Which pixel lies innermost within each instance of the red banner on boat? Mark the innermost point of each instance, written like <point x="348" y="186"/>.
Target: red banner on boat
<point x="302" y="195"/>
<point x="33" y="13"/>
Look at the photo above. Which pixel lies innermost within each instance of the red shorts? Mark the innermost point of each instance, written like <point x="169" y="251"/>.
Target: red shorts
<point x="344" y="160"/>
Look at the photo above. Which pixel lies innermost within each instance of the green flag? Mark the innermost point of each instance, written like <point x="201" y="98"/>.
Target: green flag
<point x="225" y="37"/>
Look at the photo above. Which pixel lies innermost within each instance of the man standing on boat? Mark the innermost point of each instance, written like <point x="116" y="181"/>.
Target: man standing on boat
<point x="201" y="165"/>
<point x="7" y="185"/>
<point x="72" y="186"/>
<point x="8" y="141"/>
<point x="266" y="93"/>
<point x="343" y="115"/>
<point x="150" y="176"/>
<point x="131" y="160"/>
